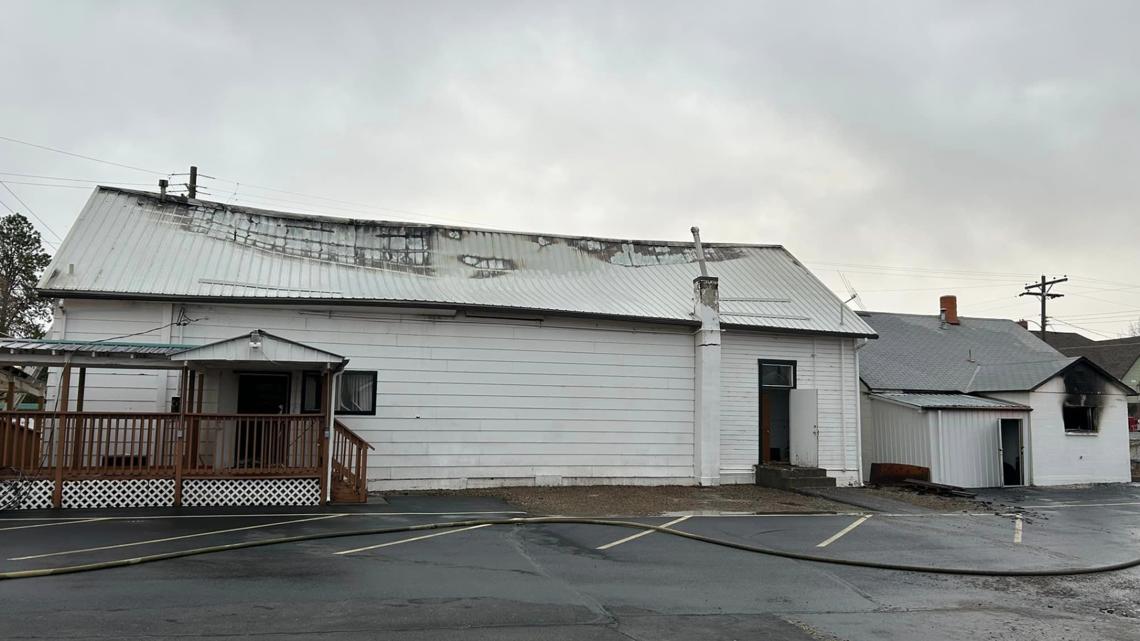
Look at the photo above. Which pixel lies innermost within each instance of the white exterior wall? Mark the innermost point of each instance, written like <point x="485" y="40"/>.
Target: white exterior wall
<point x="823" y="363"/>
<point x="967" y="446"/>
<point x="1061" y="458"/>
<point x="461" y="402"/>
<point x="893" y="433"/>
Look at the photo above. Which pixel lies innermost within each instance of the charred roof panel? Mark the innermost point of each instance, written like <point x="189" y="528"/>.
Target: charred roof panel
<point x="134" y="244"/>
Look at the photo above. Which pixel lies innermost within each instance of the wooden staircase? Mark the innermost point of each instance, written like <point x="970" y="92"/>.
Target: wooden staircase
<point x="349" y="459"/>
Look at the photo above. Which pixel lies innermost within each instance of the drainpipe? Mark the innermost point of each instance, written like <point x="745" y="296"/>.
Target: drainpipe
<point x="706" y="414"/>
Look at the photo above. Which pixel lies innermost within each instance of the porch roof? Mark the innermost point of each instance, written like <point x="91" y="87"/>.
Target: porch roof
<point x="260" y="347"/>
<point x="45" y="351"/>
<point x="272" y="351"/>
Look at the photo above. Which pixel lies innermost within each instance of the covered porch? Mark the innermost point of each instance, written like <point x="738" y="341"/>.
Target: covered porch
<point x="270" y="439"/>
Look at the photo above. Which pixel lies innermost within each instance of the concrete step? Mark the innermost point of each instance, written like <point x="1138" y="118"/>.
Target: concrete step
<point x="787" y="477"/>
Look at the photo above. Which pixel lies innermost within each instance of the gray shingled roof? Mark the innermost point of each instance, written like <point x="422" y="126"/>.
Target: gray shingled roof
<point x="920" y="353"/>
<point x="949" y="401"/>
<point x="1116" y="355"/>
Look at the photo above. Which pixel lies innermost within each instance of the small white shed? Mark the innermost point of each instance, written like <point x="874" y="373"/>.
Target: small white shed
<point x="961" y="439"/>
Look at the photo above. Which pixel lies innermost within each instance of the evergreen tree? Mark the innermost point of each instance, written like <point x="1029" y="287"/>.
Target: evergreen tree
<point x="22" y="258"/>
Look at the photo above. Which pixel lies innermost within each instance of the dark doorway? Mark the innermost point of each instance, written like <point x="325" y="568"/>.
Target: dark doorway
<point x="260" y="441"/>
<point x="776" y="379"/>
<point x="1011" y="459"/>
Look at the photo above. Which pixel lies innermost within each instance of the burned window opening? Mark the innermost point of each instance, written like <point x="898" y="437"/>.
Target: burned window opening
<point x="1085" y="394"/>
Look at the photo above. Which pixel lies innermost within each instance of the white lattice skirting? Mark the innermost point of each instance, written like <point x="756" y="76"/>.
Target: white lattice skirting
<point x="34" y="495"/>
<point x="118" y="493"/>
<point x="216" y="492"/>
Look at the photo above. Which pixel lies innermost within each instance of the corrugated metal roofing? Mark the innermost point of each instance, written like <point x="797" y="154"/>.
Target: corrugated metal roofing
<point x="28" y="345"/>
<point x="132" y="244"/>
<point x="273" y="349"/>
<point x="920" y="353"/>
<point x="949" y="401"/>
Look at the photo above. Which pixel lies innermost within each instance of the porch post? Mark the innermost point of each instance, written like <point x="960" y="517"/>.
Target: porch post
<point x="61" y="435"/>
<point x="77" y="442"/>
<point x="81" y="389"/>
<point x="10" y="403"/>
<point x="183" y="387"/>
<point x="327" y="404"/>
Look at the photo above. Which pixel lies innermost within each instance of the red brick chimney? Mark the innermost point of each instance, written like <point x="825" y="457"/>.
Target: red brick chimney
<point x="1024" y="323"/>
<point x="948" y="305"/>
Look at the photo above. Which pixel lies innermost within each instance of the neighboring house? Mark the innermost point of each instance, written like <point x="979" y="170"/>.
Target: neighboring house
<point x="465" y="357"/>
<point x="982" y="402"/>
<point x="1117" y="356"/>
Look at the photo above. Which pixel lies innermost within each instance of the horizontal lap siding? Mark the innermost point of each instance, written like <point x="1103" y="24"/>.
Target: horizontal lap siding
<point x="826" y="364"/>
<point x="476" y="401"/>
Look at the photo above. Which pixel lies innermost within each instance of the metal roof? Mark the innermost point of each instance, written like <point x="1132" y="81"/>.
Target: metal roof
<point x="30" y="345"/>
<point x="272" y="349"/>
<point x="949" y="401"/>
<point x="129" y="244"/>
<point x="921" y="353"/>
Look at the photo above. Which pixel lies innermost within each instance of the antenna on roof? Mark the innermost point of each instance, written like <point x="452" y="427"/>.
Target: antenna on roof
<point x="700" y="249"/>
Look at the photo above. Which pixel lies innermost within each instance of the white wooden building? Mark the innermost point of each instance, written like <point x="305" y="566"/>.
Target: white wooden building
<point x="475" y="357"/>
<point x="982" y="402"/>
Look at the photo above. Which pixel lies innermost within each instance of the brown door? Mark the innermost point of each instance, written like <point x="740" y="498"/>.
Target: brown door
<point x="261" y="441"/>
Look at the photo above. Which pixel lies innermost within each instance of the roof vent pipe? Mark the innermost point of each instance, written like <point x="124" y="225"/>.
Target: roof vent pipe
<point x="700" y="250"/>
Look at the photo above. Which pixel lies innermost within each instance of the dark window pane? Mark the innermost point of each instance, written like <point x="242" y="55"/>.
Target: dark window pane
<point x="357" y="393"/>
<point x="776" y="375"/>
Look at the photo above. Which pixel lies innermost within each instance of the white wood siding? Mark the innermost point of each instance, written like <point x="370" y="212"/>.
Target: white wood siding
<point x="1061" y="458"/>
<point x="460" y="401"/>
<point x="823" y="363"/>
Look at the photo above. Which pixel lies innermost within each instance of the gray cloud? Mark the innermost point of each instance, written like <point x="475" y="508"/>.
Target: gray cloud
<point x="977" y="137"/>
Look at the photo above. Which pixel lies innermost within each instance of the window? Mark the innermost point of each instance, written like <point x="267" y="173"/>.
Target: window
<point x="777" y="374"/>
<point x="311" y="393"/>
<point x="1080" y="419"/>
<point x="357" y="393"/>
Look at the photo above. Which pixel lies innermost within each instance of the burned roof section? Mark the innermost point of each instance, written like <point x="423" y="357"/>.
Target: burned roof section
<point x="130" y="244"/>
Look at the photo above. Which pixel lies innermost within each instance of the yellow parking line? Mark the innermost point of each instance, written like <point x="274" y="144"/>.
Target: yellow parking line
<point x="835" y="537"/>
<point x="172" y="538"/>
<point x="414" y="538"/>
<point x="25" y="527"/>
<point x="639" y="534"/>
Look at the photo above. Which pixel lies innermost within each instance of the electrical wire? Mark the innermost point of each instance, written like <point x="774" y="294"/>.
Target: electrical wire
<point x="29" y="210"/>
<point x="72" y="180"/>
<point x="550" y="520"/>
<point x="75" y="155"/>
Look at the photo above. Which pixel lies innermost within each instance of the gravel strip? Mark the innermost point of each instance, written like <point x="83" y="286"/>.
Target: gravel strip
<point x="637" y="500"/>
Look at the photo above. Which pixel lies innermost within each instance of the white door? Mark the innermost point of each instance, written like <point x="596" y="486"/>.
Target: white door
<point x="803" y="414"/>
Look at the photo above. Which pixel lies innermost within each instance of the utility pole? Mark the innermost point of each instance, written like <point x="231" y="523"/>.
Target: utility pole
<point x="1043" y="290"/>
<point x="192" y="187"/>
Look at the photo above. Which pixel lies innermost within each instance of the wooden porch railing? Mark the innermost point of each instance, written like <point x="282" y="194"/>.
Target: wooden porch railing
<point x="89" y="445"/>
<point x="349" y="465"/>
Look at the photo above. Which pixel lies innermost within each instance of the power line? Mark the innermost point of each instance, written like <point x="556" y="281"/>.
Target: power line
<point x="29" y="210"/>
<point x="1084" y="329"/>
<point x="75" y="155"/>
<point x="72" y="180"/>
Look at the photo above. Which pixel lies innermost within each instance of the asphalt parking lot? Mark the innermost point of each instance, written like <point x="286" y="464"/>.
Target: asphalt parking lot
<point x="577" y="581"/>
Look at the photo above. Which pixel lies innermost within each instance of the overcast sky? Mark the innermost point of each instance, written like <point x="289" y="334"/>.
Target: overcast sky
<point x="917" y="147"/>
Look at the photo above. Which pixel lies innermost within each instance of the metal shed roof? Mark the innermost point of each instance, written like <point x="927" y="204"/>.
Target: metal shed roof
<point x="270" y="349"/>
<point x="128" y="244"/>
<point x="949" y="401"/>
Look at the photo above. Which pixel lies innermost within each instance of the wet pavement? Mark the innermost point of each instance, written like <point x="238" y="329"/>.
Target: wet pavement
<point x="553" y="581"/>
